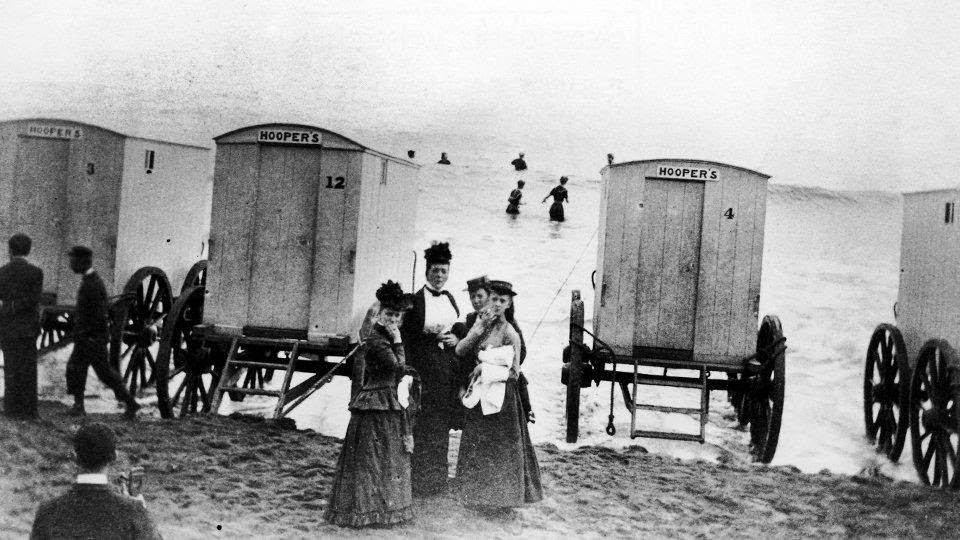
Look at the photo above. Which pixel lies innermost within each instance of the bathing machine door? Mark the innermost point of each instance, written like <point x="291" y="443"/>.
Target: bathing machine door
<point x="669" y="268"/>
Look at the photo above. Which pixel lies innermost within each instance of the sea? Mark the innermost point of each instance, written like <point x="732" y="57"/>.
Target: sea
<point x="830" y="261"/>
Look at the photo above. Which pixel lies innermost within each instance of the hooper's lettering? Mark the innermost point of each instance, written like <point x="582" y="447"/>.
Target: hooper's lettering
<point x="693" y="174"/>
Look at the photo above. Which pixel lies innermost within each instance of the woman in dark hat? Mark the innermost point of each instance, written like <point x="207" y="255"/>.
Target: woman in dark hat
<point x="497" y="466"/>
<point x="429" y="342"/>
<point x="559" y="194"/>
<point x="372" y="484"/>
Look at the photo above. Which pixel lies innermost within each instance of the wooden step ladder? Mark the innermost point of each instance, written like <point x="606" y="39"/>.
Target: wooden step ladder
<point x="287" y="398"/>
<point x="703" y="410"/>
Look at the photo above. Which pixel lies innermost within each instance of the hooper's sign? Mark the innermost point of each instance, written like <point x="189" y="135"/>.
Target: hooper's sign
<point x="285" y="136"/>
<point x="686" y="173"/>
<point x="51" y="131"/>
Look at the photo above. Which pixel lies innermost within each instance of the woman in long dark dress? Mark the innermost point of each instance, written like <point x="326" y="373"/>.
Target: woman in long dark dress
<point x="497" y="466"/>
<point x="429" y="340"/>
<point x="372" y="484"/>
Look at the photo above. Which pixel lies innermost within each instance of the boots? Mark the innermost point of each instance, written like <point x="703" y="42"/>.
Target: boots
<point x="77" y="409"/>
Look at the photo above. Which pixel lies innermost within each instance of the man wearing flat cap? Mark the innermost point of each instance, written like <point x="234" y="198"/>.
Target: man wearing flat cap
<point x="91" y="335"/>
<point x="93" y="508"/>
<point x="21" y="285"/>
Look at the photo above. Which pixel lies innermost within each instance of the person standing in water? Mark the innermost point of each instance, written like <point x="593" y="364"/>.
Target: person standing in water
<point x="559" y="194"/>
<point x="443" y="159"/>
<point x="519" y="164"/>
<point x="513" y="201"/>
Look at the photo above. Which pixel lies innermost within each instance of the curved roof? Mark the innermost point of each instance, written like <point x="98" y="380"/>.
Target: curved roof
<point x="317" y="128"/>
<point x="701" y="161"/>
<point x="108" y="130"/>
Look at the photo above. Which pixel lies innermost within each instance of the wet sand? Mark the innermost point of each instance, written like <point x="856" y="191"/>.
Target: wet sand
<point x="254" y="478"/>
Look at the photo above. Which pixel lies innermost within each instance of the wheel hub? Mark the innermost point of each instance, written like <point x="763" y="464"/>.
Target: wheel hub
<point x="934" y="419"/>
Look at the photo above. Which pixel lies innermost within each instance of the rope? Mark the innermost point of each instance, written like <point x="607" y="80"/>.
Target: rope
<point x="560" y="289"/>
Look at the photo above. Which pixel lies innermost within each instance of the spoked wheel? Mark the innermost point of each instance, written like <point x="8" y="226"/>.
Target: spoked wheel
<point x="55" y="327"/>
<point x="196" y="277"/>
<point x="763" y="401"/>
<point x="187" y="370"/>
<point x="886" y="391"/>
<point x="934" y="422"/>
<point x="138" y="317"/>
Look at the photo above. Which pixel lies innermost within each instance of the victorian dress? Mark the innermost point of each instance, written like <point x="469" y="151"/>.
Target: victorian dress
<point x="372" y="483"/>
<point x="497" y="465"/>
<point x="438" y="368"/>
<point x="467" y="364"/>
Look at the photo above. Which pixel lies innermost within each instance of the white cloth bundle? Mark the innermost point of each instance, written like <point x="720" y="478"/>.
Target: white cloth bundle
<point x="488" y="382"/>
<point x="403" y="391"/>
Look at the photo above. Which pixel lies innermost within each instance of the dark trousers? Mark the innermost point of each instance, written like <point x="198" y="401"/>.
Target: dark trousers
<point x="93" y="353"/>
<point x="20" y="377"/>
<point x="431" y="441"/>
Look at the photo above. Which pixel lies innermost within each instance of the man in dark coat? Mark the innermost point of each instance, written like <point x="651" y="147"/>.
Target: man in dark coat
<point x="92" y="508"/>
<point x="91" y="335"/>
<point x="429" y="342"/>
<point x="21" y="285"/>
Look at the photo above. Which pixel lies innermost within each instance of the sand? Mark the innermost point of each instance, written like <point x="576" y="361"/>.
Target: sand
<point x="253" y="478"/>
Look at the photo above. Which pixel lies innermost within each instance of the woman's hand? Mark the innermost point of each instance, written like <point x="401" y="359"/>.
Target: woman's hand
<point x="394" y="332"/>
<point x="514" y="373"/>
<point x="449" y="339"/>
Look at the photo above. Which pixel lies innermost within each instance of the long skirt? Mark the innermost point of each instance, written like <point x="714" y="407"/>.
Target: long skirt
<point x="497" y="464"/>
<point x="556" y="211"/>
<point x="372" y="485"/>
<point x="439" y="413"/>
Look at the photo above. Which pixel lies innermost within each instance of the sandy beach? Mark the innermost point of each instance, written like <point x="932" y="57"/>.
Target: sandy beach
<point x="243" y="477"/>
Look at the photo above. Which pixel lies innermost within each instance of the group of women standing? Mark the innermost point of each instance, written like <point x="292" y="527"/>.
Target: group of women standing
<point x="430" y="349"/>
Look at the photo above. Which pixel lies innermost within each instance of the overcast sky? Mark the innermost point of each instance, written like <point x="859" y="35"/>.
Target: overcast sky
<point x="838" y="94"/>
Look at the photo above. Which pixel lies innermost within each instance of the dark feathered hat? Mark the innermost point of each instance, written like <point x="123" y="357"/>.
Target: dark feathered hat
<point x="391" y="295"/>
<point x="438" y="253"/>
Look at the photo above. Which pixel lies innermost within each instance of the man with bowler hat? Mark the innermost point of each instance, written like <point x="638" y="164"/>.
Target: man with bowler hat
<point x="92" y="508"/>
<point x="91" y="335"/>
<point x="21" y="285"/>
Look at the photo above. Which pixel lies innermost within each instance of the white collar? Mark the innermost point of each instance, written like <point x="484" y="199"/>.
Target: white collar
<point x="89" y="271"/>
<point x="429" y="288"/>
<point x="92" y="478"/>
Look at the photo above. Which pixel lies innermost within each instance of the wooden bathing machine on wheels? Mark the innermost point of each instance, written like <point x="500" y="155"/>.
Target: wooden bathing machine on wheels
<point x="912" y="372"/>
<point x="305" y="225"/>
<point x="677" y="287"/>
<point x="131" y="200"/>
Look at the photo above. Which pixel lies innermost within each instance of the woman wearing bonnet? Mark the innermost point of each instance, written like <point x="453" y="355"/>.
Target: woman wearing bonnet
<point x="497" y="466"/>
<point x="429" y="343"/>
<point x="372" y="484"/>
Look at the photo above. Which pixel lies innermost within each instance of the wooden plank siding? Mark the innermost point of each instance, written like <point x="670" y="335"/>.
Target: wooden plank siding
<point x="928" y="303"/>
<point x="328" y="230"/>
<point x="70" y="181"/>
<point x="676" y="272"/>
<point x="329" y="239"/>
<point x="281" y="269"/>
<point x="232" y="224"/>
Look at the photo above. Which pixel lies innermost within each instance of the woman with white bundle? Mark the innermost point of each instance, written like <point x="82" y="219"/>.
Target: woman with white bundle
<point x="497" y="466"/>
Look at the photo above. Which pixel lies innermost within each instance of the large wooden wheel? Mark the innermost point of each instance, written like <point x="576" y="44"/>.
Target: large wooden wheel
<point x="574" y="368"/>
<point x="196" y="276"/>
<point x="56" y="324"/>
<point x="138" y="316"/>
<point x="934" y="415"/>
<point x="886" y="391"/>
<point x="764" y="393"/>
<point x="187" y="369"/>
